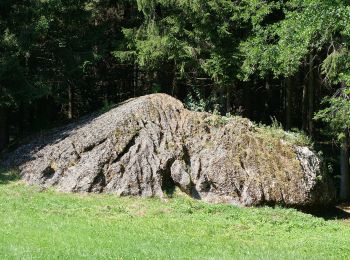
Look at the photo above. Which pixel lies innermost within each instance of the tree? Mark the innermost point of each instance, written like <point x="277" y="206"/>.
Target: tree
<point x="19" y="28"/>
<point x="194" y="40"/>
<point x="56" y="62"/>
<point x="309" y="32"/>
<point x="337" y="116"/>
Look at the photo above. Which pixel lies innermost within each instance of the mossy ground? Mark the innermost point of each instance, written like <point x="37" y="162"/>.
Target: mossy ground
<point x="39" y="224"/>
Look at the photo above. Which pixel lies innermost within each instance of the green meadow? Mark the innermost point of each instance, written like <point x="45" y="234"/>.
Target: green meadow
<point x="37" y="224"/>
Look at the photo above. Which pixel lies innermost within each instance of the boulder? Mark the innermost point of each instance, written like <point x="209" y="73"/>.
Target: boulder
<point x="149" y="145"/>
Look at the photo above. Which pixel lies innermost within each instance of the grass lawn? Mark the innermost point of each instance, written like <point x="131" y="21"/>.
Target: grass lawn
<point x="48" y="225"/>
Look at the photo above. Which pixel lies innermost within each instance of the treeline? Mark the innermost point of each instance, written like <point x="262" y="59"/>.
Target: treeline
<point x="265" y="60"/>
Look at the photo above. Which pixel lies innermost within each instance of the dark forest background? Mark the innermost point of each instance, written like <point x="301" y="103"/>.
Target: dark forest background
<point x="270" y="61"/>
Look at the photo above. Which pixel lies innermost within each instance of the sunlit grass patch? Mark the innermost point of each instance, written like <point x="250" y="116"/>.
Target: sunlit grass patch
<point x="49" y="225"/>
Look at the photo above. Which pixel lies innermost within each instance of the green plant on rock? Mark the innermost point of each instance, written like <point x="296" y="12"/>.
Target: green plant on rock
<point x="276" y="130"/>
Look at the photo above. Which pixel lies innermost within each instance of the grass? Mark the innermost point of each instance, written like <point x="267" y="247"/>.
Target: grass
<point x="39" y="224"/>
<point x="276" y="130"/>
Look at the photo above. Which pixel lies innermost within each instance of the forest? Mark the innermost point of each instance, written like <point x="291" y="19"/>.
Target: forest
<point x="275" y="62"/>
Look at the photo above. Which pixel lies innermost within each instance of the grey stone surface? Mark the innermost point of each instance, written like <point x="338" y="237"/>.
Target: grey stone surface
<point x="147" y="144"/>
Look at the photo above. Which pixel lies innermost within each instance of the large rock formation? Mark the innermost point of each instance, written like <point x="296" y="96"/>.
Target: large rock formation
<point x="151" y="144"/>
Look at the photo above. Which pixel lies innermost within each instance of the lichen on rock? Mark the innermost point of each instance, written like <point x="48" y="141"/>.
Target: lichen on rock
<point x="149" y="143"/>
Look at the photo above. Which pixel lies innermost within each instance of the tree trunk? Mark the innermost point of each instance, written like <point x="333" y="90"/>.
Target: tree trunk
<point x="174" y="91"/>
<point x="229" y="89"/>
<point x="246" y="100"/>
<point x="135" y="80"/>
<point x="70" y="102"/>
<point x="267" y="100"/>
<point x="304" y="108"/>
<point x="289" y="89"/>
<point x="311" y="95"/>
<point x="4" y="129"/>
<point x="222" y="92"/>
<point x="21" y="119"/>
<point x="344" y="169"/>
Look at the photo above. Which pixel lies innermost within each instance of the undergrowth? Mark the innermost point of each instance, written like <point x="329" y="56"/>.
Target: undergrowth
<point x="276" y="130"/>
<point x="196" y="102"/>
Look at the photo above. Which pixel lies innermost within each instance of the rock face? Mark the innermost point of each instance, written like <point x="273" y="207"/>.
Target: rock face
<point x="148" y="145"/>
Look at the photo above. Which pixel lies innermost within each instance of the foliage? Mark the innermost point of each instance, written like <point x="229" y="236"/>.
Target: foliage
<point x="303" y="28"/>
<point x="16" y="39"/>
<point x="196" y="101"/>
<point x="48" y="46"/>
<point x="304" y="31"/>
<point x="337" y="113"/>
<point x="106" y="106"/>
<point x="194" y="37"/>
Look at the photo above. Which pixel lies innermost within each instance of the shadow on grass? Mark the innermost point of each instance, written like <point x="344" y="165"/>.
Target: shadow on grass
<point x="8" y="176"/>
<point x="330" y="213"/>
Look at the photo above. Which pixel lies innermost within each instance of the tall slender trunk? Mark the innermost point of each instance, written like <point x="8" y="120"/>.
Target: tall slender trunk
<point x="222" y="91"/>
<point x="4" y="128"/>
<point x="70" y="102"/>
<point x="21" y="119"/>
<point x="229" y="89"/>
<point x="304" y="108"/>
<point x="289" y="93"/>
<point x="174" y="91"/>
<point x="297" y="103"/>
<point x="246" y="99"/>
<point x="344" y="169"/>
<point x="267" y="100"/>
<point x="311" y="95"/>
<point x="135" y="79"/>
